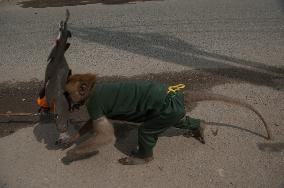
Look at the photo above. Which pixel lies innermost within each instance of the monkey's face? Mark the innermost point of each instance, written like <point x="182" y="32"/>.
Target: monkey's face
<point x="72" y="92"/>
<point x="78" y="87"/>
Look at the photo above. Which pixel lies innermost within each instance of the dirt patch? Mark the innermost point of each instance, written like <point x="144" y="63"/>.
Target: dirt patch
<point x="21" y="96"/>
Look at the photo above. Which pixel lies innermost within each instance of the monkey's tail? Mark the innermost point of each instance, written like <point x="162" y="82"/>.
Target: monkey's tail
<point x="201" y="96"/>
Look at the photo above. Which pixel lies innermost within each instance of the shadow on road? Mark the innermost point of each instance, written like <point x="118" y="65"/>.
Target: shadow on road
<point x="62" y="3"/>
<point x="235" y="127"/>
<point x="281" y="4"/>
<point x="271" y="147"/>
<point x="127" y="136"/>
<point x="174" y="50"/>
<point x="47" y="133"/>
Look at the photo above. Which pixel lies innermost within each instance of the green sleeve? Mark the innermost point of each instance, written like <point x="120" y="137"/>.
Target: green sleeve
<point x="94" y="109"/>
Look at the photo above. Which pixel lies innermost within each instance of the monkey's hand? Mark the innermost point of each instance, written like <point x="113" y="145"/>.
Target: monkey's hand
<point x="134" y="160"/>
<point x="74" y="156"/>
<point x="65" y="143"/>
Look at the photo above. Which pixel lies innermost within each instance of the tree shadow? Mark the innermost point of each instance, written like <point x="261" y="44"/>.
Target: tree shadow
<point x="62" y="3"/>
<point x="174" y="50"/>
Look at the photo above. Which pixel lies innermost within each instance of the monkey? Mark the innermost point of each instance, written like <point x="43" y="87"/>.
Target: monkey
<point x="153" y="104"/>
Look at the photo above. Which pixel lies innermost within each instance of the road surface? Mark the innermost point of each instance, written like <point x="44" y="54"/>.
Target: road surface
<point x="234" y="48"/>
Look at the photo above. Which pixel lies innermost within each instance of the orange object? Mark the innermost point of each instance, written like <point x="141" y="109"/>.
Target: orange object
<point x="42" y="102"/>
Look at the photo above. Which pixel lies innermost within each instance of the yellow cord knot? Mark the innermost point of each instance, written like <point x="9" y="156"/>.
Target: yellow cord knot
<point x="175" y="88"/>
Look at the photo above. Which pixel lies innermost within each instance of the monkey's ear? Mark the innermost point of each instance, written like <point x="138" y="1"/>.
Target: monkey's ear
<point x="91" y="78"/>
<point x="83" y="89"/>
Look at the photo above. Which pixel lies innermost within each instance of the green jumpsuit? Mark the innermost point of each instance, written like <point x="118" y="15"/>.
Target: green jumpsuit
<point x="141" y="101"/>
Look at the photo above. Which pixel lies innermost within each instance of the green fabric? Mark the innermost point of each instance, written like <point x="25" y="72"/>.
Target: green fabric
<point x="173" y="114"/>
<point x="141" y="101"/>
<point x="134" y="101"/>
<point x="188" y="123"/>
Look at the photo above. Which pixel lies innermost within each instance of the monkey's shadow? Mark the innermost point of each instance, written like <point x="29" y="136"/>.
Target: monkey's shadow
<point x="126" y="135"/>
<point x="46" y="132"/>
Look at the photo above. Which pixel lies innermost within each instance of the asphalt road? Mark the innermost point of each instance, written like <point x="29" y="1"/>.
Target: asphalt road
<point x="146" y="37"/>
<point x="230" y="47"/>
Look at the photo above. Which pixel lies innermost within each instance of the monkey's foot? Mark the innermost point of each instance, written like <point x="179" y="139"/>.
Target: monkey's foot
<point x="70" y="157"/>
<point x="198" y="133"/>
<point x="134" y="160"/>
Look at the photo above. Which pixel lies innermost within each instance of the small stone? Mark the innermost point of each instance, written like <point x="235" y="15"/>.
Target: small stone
<point x="221" y="172"/>
<point x="215" y="132"/>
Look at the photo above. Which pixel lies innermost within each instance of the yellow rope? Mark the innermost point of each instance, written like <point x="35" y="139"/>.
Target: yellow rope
<point x="175" y="88"/>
